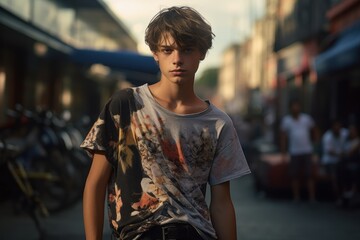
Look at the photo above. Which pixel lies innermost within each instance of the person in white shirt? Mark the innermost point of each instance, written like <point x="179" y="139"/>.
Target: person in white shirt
<point x="333" y="142"/>
<point x="349" y="167"/>
<point x="297" y="130"/>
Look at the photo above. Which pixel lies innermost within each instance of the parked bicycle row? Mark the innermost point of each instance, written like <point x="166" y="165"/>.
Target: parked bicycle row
<point x="42" y="168"/>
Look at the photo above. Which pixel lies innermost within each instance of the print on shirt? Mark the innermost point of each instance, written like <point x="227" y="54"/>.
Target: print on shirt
<point x="161" y="164"/>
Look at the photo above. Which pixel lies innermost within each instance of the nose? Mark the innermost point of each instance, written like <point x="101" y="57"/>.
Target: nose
<point x="177" y="58"/>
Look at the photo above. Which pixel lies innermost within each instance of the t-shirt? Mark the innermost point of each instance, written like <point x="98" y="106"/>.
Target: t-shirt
<point x="351" y="145"/>
<point x="333" y="144"/>
<point x="162" y="161"/>
<point x="298" y="131"/>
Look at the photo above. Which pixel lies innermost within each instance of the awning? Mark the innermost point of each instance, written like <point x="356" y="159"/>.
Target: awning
<point x="344" y="53"/>
<point x="136" y="67"/>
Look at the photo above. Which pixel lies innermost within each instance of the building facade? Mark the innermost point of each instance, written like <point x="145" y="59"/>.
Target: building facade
<point x="338" y="66"/>
<point x="248" y="70"/>
<point x="37" y="69"/>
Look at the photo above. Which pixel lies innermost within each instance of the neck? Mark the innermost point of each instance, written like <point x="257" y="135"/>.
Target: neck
<point x="177" y="98"/>
<point x="295" y="115"/>
<point x="172" y="92"/>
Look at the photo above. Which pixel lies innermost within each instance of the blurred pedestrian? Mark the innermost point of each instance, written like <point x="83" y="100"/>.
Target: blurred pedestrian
<point x="156" y="146"/>
<point x="349" y="167"/>
<point x="297" y="134"/>
<point x="333" y="142"/>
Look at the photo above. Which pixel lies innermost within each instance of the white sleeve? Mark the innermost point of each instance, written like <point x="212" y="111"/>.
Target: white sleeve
<point x="229" y="161"/>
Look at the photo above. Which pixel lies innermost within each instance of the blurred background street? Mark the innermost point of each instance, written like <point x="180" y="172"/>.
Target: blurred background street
<point x="60" y="61"/>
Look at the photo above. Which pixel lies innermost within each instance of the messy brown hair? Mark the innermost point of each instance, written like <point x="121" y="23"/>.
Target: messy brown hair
<point x="184" y="24"/>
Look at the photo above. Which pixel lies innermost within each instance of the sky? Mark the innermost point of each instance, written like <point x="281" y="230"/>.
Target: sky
<point x="231" y="20"/>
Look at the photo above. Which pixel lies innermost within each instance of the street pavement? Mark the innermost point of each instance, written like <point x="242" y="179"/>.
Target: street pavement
<point x="258" y="218"/>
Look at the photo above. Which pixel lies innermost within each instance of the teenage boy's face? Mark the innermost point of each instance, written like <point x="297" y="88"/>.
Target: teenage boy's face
<point x="177" y="65"/>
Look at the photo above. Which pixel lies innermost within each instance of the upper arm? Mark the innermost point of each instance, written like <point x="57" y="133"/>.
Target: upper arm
<point x="222" y="212"/>
<point x="220" y="193"/>
<point x="94" y="196"/>
<point x="100" y="171"/>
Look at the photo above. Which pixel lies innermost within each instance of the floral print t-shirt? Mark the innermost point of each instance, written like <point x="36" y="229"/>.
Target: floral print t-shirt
<point x="162" y="161"/>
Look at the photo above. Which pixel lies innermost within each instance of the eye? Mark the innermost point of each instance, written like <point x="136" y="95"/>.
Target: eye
<point x="167" y="50"/>
<point x="188" y="50"/>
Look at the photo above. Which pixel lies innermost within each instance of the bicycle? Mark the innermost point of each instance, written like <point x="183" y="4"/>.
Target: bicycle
<point x="43" y="162"/>
<point x="31" y="203"/>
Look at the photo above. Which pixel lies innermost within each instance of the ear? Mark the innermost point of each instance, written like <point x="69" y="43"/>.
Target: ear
<point x="202" y="56"/>
<point x="155" y="56"/>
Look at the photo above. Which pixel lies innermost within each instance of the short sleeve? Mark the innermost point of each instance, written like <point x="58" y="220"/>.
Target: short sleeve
<point x="327" y="143"/>
<point x="229" y="162"/>
<point x="103" y="136"/>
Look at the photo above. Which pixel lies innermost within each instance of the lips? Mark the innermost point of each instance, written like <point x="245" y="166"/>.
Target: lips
<point x="178" y="71"/>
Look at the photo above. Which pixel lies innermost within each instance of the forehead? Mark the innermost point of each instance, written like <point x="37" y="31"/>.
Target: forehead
<point x="167" y="39"/>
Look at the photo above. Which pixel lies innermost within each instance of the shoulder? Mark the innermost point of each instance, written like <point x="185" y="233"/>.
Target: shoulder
<point x="344" y="132"/>
<point x="127" y="97"/>
<point x="327" y="135"/>
<point x="306" y="117"/>
<point x="221" y="116"/>
<point x="286" y="120"/>
<point x="122" y="102"/>
<point x="122" y="95"/>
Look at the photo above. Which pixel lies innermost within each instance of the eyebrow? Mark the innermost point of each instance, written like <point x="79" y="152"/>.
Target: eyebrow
<point x="172" y="46"/>
<point x="167" y="46"/>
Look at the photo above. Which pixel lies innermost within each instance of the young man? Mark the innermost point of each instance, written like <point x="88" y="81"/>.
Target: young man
<point x="156" y="147"/>
<point x="297" y="131"/>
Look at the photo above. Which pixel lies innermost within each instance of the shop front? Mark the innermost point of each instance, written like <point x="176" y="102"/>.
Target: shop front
<point x="338" y="71"/>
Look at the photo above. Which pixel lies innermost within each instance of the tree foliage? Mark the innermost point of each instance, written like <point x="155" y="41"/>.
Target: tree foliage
<point x="209" y="78"/>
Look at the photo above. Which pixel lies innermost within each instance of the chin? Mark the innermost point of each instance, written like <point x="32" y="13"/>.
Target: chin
<point x="178" y="82"/>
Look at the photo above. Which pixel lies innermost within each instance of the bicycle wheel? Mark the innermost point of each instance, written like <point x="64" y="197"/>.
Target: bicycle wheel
<point x="49" y="181"/>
